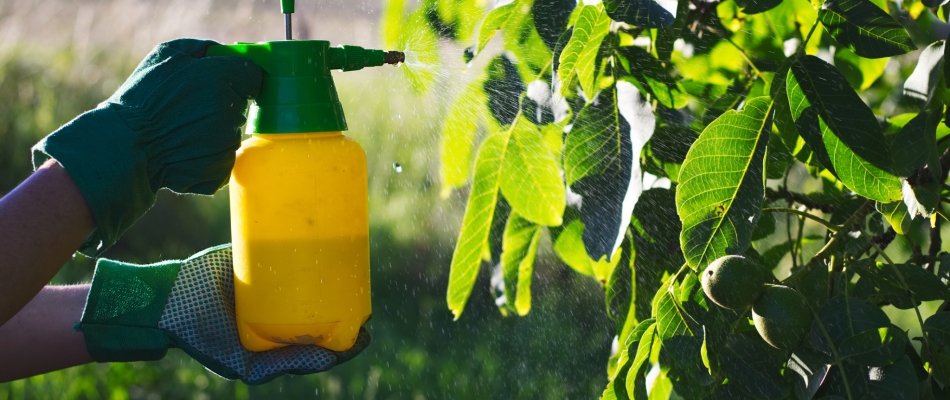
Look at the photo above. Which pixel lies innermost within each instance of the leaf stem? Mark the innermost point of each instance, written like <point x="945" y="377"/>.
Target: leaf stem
<point x="829" y="225"/>
<point x="801" y="49"/>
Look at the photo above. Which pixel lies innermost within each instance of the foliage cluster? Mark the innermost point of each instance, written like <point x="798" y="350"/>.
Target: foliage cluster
<point x="728" y="101"/>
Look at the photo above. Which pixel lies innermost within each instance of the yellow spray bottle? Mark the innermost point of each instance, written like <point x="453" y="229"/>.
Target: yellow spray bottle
<point x="299" y="223"/>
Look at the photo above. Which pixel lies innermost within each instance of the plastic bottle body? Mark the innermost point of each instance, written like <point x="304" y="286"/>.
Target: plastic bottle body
<point x="299" y="227"/>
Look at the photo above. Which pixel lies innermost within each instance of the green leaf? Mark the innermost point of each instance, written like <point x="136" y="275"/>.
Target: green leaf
<point x="896" y="214"/>
<point x="840" y="129"/>
<point x="937" y="328"/>
<point x="530" y="178"/>
<point x="577" y="59"/>
<point x="783" y="119"/>
<point x="656" y="241"/>
<point x="617" y="387"/>
<point x="651" y="76"/>
<point x="643" y="13"/>
<point x="495" y="21"/>
<point x="757" y="6"/>
<point x="601" y="163"/>
<point x="570" y="248"/>
<point x="874" y="347"/>
<point x="619" y="294"/>
<point x="551" y="18"/>
<point x="391" y="25"/>
<point x="671" y="317"/>
<point x="503" y="88"/>
<point x="636" y="376"/>
<point x="473" y="238"/>
<point x="458" y="137"/>
<point x="421" y="46"/>
<point x="896" y="381"/>
<point x="924" y="285"/>
<point x="722" y="184"/>
<point x="865" y="28"/>
<point x="670" y="143"/>
<point x="915" y="145"/>
<point x="666" y="37"/>
<point x="861" y="72"/>
<point x="842" y="318"/>
<point x="520" y="245"/>
<point x="746" y="362"/>
<point x="922" y="83"/>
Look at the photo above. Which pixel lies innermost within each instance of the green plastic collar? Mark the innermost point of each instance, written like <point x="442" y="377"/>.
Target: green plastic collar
<point x="298" y="94"/>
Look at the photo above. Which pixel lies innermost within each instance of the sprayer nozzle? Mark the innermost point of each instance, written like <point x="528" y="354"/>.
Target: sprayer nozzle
<point x="394" y="57"/>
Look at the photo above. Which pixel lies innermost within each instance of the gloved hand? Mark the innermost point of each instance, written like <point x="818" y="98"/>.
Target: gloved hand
<point x="175" y="123"/>
<point x="136" y="312"/>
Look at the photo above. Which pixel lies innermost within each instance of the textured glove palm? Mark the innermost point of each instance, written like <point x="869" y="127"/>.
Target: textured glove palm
<point x="175" y="123"/>
<point x="136" y="312"/>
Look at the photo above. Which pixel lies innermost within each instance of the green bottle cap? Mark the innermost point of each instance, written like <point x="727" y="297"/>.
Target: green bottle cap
<point x="298" y="94"/>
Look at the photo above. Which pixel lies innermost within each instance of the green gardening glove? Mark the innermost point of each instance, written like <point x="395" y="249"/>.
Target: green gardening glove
<point x="137" y="312"/>
<point x="175" y="124"/>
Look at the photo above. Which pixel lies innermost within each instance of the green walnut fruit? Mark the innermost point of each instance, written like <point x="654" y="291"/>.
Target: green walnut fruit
<point x="781" y="316"/>
<point x="733" y="282"/>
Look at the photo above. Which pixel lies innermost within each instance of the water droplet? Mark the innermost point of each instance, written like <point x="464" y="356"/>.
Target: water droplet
<point x="397" y="167"/>
<point x="399" y="116"/>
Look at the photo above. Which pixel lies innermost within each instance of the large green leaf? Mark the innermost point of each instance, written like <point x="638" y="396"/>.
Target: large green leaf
<point x="746" y="362"/>
<point x="922" y="83"/>
<point x="937" y="328"/>
<point x="840" y="129"/>
<point x="530" y="178"/>
<point x="757" y="6"/>
<point x="458" y="136"/>
<point x="577" y="59"/>
<point x="496" y="20"/>
<point x="617" y="387"/>
<point x="473" y="238"/>
<point x="636" y="375"/>
<point x="672" y="319"/>
<point x="865" y="28"/>
<point x="722" y="184"/>
<point x="656" y="243"/>
<point x="845" y="320"/>
<point x="643" y="13"/>
<point x="924" y="285"/>
<point x="620" y="288"/>
<point x="896" y="381"/>
<point x="520" y="245"/>
<point x="551" y="18"/>
<point x="503" y="88"/>
<point x="601" y="163"/>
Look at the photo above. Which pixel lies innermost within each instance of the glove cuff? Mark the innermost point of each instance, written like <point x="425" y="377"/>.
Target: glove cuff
<point x="125" y="303"/>
<point x="100" y="153"/>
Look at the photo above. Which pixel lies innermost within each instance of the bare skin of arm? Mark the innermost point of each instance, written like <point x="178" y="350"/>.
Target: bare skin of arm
<point x="40" y="338"/>
<point x="42" y="222"/>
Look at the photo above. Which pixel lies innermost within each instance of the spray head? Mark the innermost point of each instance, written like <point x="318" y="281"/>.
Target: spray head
<point x="298" y="94"/>
<point x="394" y="57"/>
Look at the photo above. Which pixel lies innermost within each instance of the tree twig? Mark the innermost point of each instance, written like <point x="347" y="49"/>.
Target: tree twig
<point x="803" y="199"/>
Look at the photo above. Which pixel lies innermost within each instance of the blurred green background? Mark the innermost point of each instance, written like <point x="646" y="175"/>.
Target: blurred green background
<point x="61" y="58"/>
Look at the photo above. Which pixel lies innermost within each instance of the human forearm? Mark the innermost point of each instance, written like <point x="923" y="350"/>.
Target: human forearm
<point x="40" y="337"/>
<point x="42" y="223"/>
